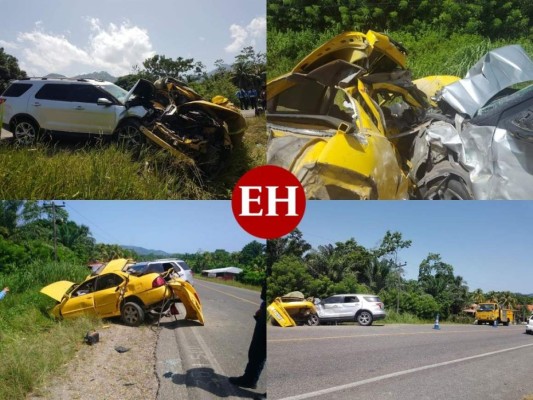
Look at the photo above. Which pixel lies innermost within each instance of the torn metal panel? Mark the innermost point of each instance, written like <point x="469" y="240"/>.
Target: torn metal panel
<point x="500" y="164"/>
<point x="497" y="70"/>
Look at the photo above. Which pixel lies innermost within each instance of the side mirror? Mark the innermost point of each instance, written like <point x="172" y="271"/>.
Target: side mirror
<point x="102" y="101"/>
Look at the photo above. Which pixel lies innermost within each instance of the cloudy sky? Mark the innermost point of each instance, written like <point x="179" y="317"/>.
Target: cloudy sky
<point x="74" y="37"/>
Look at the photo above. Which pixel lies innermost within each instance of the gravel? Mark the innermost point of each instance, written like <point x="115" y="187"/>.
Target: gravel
<point x="99" y="371"/>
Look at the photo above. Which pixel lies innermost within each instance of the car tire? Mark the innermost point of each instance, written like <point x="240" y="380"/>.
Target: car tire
<point x="448" y="188"/>
<point x="129" y="134"/>
<point x="25" y="131"/>
<point x="313" y="320"/>
<point x="479" y="322"/>
<point x="132" y="314"/>
<point x="364" y="318"/>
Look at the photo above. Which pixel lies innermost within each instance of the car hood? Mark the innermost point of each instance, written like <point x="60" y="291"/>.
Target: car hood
<point x="497" y="70"/>
<point x="342" y="59"/>
<point x="367" y="50"/>
<point x="57" y="290"/>
<point x="142" y="88"/>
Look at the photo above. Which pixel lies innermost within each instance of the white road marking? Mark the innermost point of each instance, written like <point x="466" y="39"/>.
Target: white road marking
<point x="396" y="374"/>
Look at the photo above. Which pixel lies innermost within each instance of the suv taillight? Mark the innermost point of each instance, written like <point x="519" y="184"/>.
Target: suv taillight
<point x="380" y="305"/>
<point x="159" y="281"/>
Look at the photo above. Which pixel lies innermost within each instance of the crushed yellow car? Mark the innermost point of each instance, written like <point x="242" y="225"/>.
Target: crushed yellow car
<point x="179" y="120"/>
<point x="293" y="309"/>
<point x="343" y="120"/>
<point x="114" y="292"/>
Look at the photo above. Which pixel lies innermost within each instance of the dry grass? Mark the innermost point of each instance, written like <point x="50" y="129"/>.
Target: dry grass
<point x="100" y="171"/>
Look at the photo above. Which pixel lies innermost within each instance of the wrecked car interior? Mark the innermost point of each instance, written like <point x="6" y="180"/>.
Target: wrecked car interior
<point x="351" y="123"/>
<point x="179" y="120"/>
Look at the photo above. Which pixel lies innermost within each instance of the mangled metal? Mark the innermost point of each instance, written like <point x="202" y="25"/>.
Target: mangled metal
<point x="350" y="123"/>
<point x="325" y="126"/>
<point x="490" y="137"/>
<point x="179" y="120"/>
<point x="293" y="309"/>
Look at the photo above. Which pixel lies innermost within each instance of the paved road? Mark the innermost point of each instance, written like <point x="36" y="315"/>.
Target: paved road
<point x="194" y="362"/>
<point x="399" y="362"/>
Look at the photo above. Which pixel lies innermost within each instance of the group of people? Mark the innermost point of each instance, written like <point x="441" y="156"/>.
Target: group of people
<point x="250" y="98"/>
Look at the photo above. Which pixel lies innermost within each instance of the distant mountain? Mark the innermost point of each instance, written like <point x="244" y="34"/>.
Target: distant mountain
<point x="102" y="75"/>
<point x="226" y="67"/>
<point x="54" y="76"/>
<point x="144" y="252"/>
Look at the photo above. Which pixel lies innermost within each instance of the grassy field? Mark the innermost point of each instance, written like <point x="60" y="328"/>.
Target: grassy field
<point x="101" y="171"/>
<point x="33" y="345"/>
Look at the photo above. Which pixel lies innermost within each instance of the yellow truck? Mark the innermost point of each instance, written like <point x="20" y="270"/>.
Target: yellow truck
<point x="490" y="312"/>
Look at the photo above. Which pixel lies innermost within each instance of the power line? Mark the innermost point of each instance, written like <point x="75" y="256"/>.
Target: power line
<point x="94" y="225"/>
<point x="54" y="206"/>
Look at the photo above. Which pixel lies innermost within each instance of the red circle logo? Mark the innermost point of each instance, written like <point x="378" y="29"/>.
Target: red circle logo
<point x="268" y="202"/>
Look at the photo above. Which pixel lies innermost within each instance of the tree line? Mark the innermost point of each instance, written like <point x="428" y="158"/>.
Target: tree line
<point x="493" y="19"/>
<point x="247" y="71"/>
<point x="348" y="267"/>
<point x="32" y="232"/>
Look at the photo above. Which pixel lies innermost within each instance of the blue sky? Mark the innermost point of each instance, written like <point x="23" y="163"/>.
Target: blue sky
<point x="172" y="226"/>
<point x="73" y="37"/>
<point x="486" y="242"/>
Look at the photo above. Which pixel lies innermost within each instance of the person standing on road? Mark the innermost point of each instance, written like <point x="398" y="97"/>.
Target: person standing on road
<point x="252" y="94"/>
<point x="257" y="350"/>
<point x="4" y="292"/>
<point x="240" y="95"/>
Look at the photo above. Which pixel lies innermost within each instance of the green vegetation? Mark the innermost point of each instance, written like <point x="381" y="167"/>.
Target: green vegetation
<point x="106" y="171"/>
<point x="348" y="267"/>
<point x="9" y="69"/>
<point x="445" y="37"/>
<point x="33" y="346"/>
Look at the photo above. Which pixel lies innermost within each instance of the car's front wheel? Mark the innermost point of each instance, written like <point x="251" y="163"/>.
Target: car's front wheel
<point x="25" y="131"/>
<point x="132" y="314"/>
<point x="313" y="320"/>
<point x="129" y="134"/>
<point x="365" y="318"/>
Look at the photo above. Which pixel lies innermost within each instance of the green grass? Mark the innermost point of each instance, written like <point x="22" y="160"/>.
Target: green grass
<point x="34" y="346"/>
<point x="100" y="171"/>
<point x="229" y="283"/>
<point x="431" y="52"/>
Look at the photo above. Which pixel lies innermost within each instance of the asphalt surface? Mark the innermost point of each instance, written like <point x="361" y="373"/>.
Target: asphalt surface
<point x="194" y="361"/>
<point x="399" y="362"/>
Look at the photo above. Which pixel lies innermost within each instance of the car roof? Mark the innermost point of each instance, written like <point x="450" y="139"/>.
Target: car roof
<point x="61" y="80"/>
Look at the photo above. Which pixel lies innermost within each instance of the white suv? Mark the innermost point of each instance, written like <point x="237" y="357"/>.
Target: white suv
<point x="69" y="106"/>
<point x="361" y="308"/>
<point x="179" y="267"/>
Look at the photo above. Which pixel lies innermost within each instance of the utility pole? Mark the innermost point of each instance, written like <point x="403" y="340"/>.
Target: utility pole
<point x="399" y="268"/>
<point x="54" y="206"/>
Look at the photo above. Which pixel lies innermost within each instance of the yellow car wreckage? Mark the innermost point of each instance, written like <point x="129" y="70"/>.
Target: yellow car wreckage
<point x="293" y="309"/>
<point x="343" y="120"/>
<point x="189" y="127"/>
<point x="113" y="292"/>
